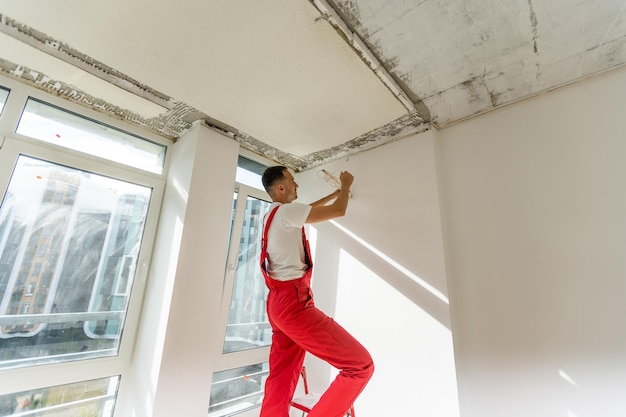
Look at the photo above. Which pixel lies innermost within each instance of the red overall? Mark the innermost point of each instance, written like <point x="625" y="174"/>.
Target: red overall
<point x="297" y="327"/>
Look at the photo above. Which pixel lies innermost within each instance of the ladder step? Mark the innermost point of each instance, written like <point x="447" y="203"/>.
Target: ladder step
<point x="308" y="400"/>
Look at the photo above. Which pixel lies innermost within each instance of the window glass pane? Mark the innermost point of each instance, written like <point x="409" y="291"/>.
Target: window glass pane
<point x="249" y="172"/>
<point x="94" y="398"/>
<point x="4" y="93"/>
<point x="51" y="124"/>
<point x="69" y="242"/>
<point x="237" y="390"/>
<point x="248" y="326"/>
<point x="249" y="178"/>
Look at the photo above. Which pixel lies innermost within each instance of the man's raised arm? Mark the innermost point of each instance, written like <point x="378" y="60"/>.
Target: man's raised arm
<point x="320" y="212"/>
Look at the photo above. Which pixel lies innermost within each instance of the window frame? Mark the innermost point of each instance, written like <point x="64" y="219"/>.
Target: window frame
<point x="85" y="119"/>
<point x="231" y="360"/>
<point x="237" y="359"/>
<point x="16" y="103"/>
<point x="11" y="146"/>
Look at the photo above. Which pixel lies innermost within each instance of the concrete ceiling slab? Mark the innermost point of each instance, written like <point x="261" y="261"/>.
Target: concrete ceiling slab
<point x="466" y="57"/>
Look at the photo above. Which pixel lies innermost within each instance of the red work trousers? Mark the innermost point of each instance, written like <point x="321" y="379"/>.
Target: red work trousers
<point x="299" y="327"/>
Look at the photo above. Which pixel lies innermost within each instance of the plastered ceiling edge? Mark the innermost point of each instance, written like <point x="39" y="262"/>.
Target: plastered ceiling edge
<point x="180" y="117"/>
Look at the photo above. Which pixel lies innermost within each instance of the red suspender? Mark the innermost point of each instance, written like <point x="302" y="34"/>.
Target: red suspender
<point x="264" y="238"/>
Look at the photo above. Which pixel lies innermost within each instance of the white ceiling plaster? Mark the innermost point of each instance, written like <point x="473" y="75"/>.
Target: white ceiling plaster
<point x="267" y="68"/>
<point x="36" y="60"/>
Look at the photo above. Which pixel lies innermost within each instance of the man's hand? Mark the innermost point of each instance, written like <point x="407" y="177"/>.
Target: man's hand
<point x="320" y="213"/>
<point x="346" y="180"/>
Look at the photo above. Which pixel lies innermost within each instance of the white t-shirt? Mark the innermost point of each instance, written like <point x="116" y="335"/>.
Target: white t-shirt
<point x="285" y="251"/>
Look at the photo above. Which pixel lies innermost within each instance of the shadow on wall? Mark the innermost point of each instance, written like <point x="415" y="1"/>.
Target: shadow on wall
<point x="414" y="288"/>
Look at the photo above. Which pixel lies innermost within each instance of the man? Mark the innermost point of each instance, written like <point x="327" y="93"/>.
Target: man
<point x="297" y="325"/>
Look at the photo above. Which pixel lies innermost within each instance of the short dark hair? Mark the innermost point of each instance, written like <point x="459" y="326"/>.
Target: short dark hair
<point x="271" y="176"/>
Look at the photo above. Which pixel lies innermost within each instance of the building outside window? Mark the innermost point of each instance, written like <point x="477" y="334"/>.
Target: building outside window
<point x="89" y="231"/>
<point x="84" y="399"/>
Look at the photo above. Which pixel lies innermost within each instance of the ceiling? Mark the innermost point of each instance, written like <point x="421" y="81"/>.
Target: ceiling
<point x="303" y="82"/>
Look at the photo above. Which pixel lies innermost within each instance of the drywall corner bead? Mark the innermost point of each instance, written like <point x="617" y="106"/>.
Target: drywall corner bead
<point x="366" y="53"/>
<point x="406" y="125"/>
<point x="170" y="124"/>
<point x="329" y="14"/>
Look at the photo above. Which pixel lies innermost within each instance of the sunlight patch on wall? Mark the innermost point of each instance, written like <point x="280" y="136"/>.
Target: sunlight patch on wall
<point x="434" y="291"/>
<point x="407" y="344"/>
<point x="568" y="378"/>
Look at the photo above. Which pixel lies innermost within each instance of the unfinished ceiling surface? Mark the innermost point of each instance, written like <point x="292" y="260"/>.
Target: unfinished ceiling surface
<point x="465" y="57"/>
<point x="302" y="82"/>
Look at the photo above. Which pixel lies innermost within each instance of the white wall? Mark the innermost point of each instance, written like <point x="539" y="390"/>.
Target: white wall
<point x="384" y="279"/>
<point x="535" y="217"/>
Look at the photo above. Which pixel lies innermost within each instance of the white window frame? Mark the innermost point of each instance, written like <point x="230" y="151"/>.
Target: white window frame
<point x="232" y="360"/>
<point x="238" y="359"/>
<point x="122" y="281"/>
<point x="11" y="146"/>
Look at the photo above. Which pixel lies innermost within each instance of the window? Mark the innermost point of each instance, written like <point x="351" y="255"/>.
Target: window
<point x="51" y="124"/>
<point x="4" y="94"/>
<point x="247" y="326"/>
<point x="88" y="247"/>
<point x="237" y="390"/>
<point x="41" y="251"/>
<point x="76" y="231"/>
<point x="83" y="399"/>
<point x="247" y="332"/>
<point x="249" y="172"/>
